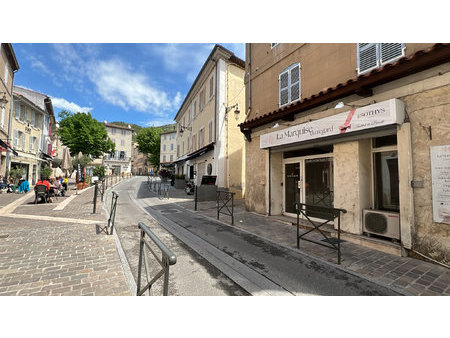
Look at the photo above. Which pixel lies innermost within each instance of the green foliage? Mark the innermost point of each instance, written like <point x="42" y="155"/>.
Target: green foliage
<point x="99" y="171"/>
<point x="149" y="142"/>
<point x="84" y="161"/>
<point x="16" y="174"/>
<point x="46" y="172"/>
<point x="81" y="132"/>
<point x="179" y="177"/>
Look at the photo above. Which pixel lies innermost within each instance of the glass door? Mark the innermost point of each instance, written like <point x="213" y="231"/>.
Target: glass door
<point x="291" y="186"/>
<point x="319" y="184"/>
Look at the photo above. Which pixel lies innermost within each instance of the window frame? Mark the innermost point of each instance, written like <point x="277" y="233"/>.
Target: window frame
<point x="373" y="151"/>
<point x="379" y="64"/>
<point x="290" y="84"/>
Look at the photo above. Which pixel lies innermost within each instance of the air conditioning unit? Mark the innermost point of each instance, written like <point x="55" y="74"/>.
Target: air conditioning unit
<point x="382" y="223"/>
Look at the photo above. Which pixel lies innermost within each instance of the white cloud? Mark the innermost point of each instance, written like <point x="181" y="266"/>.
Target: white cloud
<point x="119" y="85"/>
<point x="70" y="106"/>
<point x="157" y="122"/>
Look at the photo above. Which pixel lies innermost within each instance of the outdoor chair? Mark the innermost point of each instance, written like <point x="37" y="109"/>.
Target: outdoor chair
<point x="41" y="192"/>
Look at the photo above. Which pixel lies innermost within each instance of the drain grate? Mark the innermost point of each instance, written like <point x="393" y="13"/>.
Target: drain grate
<point x="170" y="211"/>
<point x="332" y="240"/>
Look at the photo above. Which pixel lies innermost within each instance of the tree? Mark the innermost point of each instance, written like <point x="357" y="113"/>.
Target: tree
<point x="149" y="142"/>
<point x="81" y="132"/>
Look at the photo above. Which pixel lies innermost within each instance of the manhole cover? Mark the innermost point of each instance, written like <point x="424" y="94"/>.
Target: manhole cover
<point x="170" y="211"/>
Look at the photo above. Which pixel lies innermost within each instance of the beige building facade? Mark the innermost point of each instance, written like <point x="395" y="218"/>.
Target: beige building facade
<point x="120" y="161"/>
<point x="209" y="141"/>
<point x="8" y="66"/>
<point x="352" y="126"/>
<point x="168" y="149"/>
<point x="140" y="164"/>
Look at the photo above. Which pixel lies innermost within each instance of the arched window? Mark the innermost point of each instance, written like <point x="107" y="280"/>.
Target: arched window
<point x="289" y="84"/>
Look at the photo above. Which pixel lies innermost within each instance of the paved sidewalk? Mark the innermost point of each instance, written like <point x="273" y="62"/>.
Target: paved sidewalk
<point x="58" y="252"/>
<point x="415" y="277"/>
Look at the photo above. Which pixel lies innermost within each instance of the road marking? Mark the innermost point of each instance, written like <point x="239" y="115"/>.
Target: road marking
<point x="51" y="218"/>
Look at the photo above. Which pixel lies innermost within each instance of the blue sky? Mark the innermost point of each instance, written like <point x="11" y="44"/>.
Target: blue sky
<point x="141" y="83"/>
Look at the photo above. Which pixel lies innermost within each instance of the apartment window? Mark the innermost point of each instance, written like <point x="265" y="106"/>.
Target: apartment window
<point x="164" y="147"/>
<point x="6" y="73"/>
<point x="113" y="140"/>
<point x="164" y="158"/>
<point x="385" y="173"/>
<point x="195" y="108"/>
<point x="122" y="142"/>
<point x="201" y="134"/>
<point x="33" y="117"/>
<point x="31" y="143"/>
<point x="171" y="158"/>
<point x="183" y="147"/>
<point x="210" y="131"/>
<point x="289" y="84"/>
<point x="16" y="139"/>
<point x="37" y="121"/>
<point x="17" y="109"/>
<point x="211" y="86"/>
<point x="172" y="136"/>
<point x="3" y="117"/>
<point x="165" y="136"/>
<point x="113" y="131"/>
<point x="178" y="149"/>
<point x="273" y="45"/>
<point x="124" y="132"/>
<point x="23" y="113"/>
<point x="122" y="155"/>
<point x="22" y="137"/>
<point x="373" y="55"/>
<point x="171" y="146"/>
<point x="191" y="114"/>
<point x="202" y="99"/>
<point x="194" y="142"/>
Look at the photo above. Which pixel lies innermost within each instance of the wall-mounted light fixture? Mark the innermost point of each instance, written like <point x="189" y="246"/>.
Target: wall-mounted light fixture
<point x="3" y="101"/>
<point x="236" y="111"/>
<point x="183" y="128"/>
<point x="341" y="104"/>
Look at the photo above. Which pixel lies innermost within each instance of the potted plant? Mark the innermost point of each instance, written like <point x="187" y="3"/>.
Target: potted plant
<point x="180" y="181"/>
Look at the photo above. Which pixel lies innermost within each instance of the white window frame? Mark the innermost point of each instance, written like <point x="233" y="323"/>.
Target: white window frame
<point x="378" y="56"/>
<point x="289" y="86"/>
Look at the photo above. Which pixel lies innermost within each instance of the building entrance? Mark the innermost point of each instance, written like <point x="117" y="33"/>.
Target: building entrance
<point x="308" y="180"/>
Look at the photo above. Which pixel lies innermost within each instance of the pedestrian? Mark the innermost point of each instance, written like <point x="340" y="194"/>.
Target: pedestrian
<point x="65" y="182"/>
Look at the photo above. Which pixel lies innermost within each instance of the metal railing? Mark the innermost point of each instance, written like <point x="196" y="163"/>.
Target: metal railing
<point x="224" y="197"/>
<point x="95" y="197"/>
<point x="167" y="259"/>
<point x="112" y="212"/>
<point x="327" y="215"/>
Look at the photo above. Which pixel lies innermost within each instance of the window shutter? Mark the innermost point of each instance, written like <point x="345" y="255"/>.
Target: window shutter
<point x="211" y="86"/>
<point x="3" y="117"/>
<point x="16" y="138"/>
<point x="18" y="111"/>
<point x="367" y="56"/>
<point x="295" y="83"/>
<point x="31" y="143"/>
<point x="390" y="51"/>
<point x="23" y="141"/>
<point x="33" y="117"/>
<point x="284" y="88"/>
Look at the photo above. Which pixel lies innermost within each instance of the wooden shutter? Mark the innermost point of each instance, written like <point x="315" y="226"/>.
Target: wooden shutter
<point x="18" y="111"/>
<point x="367" y="56"/>
<point x="294" y="75"/>
<point x="16" y="138"/>
<point x="391" y="51"/>
<point x="33" y="117"/>
<point x="31" y="143"/>
<point x="211" y="86"/>
<point x="23" y="141"/>
<point x="284" y="88"/>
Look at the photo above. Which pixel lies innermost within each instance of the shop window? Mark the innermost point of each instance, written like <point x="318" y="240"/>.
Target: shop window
<point x="385" y="174"/>
<point x="308" y="152"/>
<point x="373" y="55"/>
<point x="289" y="82"/>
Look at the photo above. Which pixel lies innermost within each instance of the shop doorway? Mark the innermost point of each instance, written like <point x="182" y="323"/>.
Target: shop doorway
<point x="308" y="180"/>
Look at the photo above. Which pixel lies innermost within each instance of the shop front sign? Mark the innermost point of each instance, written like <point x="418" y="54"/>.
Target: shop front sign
<point x="440" y="181"/>
<point x="376" y="115"/>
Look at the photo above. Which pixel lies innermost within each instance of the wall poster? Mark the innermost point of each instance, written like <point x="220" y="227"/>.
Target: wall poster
<point x="440" y="180"/>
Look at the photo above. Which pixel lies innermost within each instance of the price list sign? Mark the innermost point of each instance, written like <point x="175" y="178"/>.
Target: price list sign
<point x="440" y="178"/>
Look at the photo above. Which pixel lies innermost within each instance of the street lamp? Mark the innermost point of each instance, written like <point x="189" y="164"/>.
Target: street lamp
<point x="3" y="101"/>
<point x="183" y="128"/>
<point x="236" y="111"/>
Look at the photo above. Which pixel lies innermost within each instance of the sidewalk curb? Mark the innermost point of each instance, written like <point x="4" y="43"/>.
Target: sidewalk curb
<point x="123" y="259"/>
<point x="339" y="267"/>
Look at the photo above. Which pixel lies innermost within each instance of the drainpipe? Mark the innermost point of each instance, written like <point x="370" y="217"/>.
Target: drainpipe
<point x="249" y="77"/>
<point x="270" y="179"/>
<point x="11" y="107"/>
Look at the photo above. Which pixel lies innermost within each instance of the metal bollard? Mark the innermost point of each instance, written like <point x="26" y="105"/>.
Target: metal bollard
<point x="95" y="196"/>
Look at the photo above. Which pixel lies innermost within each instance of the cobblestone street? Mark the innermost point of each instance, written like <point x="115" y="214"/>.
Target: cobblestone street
<point x="58" y="252"/>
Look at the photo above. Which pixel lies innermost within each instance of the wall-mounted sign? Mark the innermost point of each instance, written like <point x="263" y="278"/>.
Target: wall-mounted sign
<point x="440" y="180"/>
<point x="372" y="116"/>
